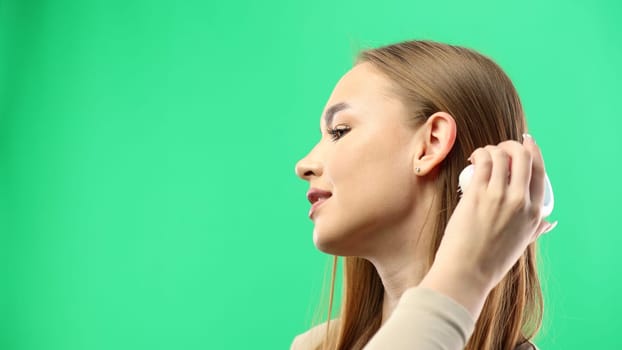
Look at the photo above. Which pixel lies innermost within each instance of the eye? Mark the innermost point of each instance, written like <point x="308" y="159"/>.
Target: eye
<point x="337" y="133"/>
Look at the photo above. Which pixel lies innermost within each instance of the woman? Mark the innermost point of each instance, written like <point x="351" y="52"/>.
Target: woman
<point x="425" y="268"/>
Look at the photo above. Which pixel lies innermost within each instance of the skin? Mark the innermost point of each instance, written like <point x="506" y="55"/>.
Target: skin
<point x="379" y="202"/>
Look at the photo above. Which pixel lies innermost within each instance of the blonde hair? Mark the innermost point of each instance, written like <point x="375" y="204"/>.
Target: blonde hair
<point x="429" y="77"/>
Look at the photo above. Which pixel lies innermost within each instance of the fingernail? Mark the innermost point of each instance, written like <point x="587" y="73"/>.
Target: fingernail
<point x="551" y="227"/>
<point x="528" y="136"/>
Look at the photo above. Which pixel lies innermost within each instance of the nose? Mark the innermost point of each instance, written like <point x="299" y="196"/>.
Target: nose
<point x="306" y="167"/>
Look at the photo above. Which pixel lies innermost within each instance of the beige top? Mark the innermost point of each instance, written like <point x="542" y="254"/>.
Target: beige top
<point x="423" y="319"/>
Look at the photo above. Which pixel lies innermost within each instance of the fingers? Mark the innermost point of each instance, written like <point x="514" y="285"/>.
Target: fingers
<point x="521" y="168"/>
<point x="521" y="163"/>
<point x="482" y="161"/>
<point x="538" y="181"/>
<point x="500" y="170"/>
<point x="510" y="170"/>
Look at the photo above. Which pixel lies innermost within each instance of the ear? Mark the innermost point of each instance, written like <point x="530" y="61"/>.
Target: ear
<point x="435" y="139"/>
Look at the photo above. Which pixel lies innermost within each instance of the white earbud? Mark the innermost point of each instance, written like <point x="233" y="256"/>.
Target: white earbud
<point x="547" y="207"/>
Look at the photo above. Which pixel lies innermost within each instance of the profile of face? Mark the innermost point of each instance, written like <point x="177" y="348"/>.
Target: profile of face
<point x="368" y="165"/>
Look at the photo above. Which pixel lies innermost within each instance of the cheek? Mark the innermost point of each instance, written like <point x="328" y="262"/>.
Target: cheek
<point x="367" y="197"/>
<point x="377" y="172"/>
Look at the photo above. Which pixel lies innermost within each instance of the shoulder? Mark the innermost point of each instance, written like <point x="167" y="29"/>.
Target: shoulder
<point x="311" y="338"/>
<point x="527" y="346"/>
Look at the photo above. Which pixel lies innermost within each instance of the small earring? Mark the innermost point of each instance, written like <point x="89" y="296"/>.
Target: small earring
<point x="417" y="169"/>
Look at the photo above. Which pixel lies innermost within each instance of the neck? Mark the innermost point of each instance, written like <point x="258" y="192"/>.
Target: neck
<point x="403" y="264"/>
<point x="397" y="276"/>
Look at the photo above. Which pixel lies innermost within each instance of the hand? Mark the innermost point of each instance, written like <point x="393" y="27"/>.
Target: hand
<point x="493" y="223"/>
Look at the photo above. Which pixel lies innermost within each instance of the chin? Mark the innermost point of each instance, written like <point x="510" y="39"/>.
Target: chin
<point x="332" y="245"/>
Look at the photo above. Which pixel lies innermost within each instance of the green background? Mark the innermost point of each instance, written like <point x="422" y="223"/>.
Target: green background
<point x="147" y="150"/>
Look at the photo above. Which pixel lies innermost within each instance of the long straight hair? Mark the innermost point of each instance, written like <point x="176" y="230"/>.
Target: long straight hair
<point x="429" y="77"/>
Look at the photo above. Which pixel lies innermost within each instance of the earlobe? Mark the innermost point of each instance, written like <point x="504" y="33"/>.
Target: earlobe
<point x="438" y="135"/>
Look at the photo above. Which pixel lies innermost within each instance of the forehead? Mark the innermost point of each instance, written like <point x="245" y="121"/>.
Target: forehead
<point x="365" y="91"/>
<point x="362" y="79"/>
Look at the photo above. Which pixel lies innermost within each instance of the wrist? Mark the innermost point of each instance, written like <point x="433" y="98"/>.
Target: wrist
<point x="469" y="291"/>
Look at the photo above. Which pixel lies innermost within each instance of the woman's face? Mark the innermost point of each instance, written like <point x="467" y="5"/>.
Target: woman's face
<point x="368" y="168"/>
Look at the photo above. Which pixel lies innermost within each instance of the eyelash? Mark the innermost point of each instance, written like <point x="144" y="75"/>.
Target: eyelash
<point x="334" y="132"/>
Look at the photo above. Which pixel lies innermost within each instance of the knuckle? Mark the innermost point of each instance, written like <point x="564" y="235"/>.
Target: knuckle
<point x="485" y="163"/>
<point x="534" y="213"/>
<point x="499" y="152"/>
<point x="510" y="143"/>
<point x="496" y="196"/>
<point x="525" y="153"/>
<point x="516" y="150"/>
<point x="490" y="148"/>
<point x="477" y="152"/>
<point x="518" y="202"/>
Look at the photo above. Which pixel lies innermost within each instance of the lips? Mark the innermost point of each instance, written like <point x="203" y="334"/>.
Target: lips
<point x="316" y="194"/>
<point x="317" y="197"/>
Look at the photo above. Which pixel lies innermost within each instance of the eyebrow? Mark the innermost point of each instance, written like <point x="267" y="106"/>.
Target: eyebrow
<point x="330" y="112"/>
